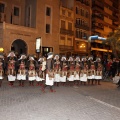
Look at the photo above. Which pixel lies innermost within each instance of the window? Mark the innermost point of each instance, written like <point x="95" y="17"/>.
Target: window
<point x="62" y="37"/>
<point x="77" y="21"/>
<point x="48" y="11"/>
<point x="70" y="39"/>
<point x="87" y="14"/>
<point x="69" y="14"/>
<point x="82" y="13"/>
<point x="63" y="24"/>
<point x="16" y="11"/>
<point x="2" y="7"/>
<point x="81" y="34"/>
<point x="77" y="33"/>
<point x="69" y="26"/>
<point x="63" y="12"/>
<point x="47" y="28"/>
<point x="76" y="10"/>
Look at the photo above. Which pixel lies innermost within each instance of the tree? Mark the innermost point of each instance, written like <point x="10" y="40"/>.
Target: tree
<point x="114" y="41"/>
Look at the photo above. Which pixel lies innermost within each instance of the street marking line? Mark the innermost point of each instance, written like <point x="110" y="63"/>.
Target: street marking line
<point x="104" y="103"/>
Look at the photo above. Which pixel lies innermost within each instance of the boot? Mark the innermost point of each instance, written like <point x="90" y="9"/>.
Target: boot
<point x="92" y="82"/>
<point x="29" y="83"/>
<point x="32" y="83"/>
<point x="37" y="84"/>
<point x="0" y="83"/>
<point x="99" y="82"/>
<point x="20" y="82"/>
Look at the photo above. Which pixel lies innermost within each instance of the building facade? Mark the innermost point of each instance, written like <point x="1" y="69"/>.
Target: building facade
<point x="82" y="24"/>
<point x="22" y="21"/>
<point x="66" y="40"/>
<point x="105" y="19"/>
<point x="62" y="26"/>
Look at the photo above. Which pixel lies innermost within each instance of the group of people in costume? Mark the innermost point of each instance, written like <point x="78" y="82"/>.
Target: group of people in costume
<point x="51" y="70"/>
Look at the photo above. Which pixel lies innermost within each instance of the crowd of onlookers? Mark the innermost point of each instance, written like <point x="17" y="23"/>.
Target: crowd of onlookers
<point x="111" y="68"/>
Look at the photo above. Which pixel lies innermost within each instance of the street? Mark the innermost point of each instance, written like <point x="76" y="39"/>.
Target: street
<point x="97" y="102"/>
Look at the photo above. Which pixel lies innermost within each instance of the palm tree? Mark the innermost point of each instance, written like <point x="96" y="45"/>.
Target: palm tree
<point x="114" y="41"/>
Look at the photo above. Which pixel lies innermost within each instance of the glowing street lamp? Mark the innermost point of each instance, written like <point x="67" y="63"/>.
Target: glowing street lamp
<point x="1" y="49"/>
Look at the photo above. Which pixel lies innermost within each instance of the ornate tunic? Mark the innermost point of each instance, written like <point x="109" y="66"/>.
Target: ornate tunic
<point x="77" y="71"/>
<point x="84" y="73"/>
<point x="11" y="70"/>
<point x="98" y="74"/>
<point x="57" y="69"/>
<point x="71" y="71"/>
<point x="41" y="71"/>
<point x="31" y="72"/>
<point x="21" y="71"/>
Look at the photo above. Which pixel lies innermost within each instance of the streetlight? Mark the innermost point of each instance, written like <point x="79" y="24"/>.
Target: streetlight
<point x="1" y="50"/>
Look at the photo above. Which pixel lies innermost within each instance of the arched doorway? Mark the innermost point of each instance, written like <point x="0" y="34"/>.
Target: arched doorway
<point x="19" y="46"/>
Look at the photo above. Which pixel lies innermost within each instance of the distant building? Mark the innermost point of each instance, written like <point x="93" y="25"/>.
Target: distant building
<point x="82" y="20"/>
<point x="66" y="42"/>
<point x="105" y="19"/>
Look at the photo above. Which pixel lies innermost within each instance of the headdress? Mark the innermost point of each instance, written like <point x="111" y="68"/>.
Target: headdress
<point x="50" y="55"/>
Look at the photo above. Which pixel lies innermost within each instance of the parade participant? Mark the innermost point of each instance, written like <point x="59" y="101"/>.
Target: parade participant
<point x="83" y="74"/>
<point x="83" y="61"/>
<point x="57" y="69"/>
<point x="71" y="68"/>
<point x="1" y="68"/>
<point x="98" y="74"/>
<point x="31" y="70"/>
<point x="11" y="68"/>
<point x="49" y="73"/>
<point x="90" y="60"/>
<point x="90" y="66"/>
<point x="64" y="68"/>
<point x="21" y="75"/>
<point x="92" y="71"/>
<point x="77" y="71"/>
<point x="41" y="71"/>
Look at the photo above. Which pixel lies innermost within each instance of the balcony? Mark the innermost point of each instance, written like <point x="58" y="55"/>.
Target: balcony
<point x="66" y="32"/>
<point x="98" y="16"/>
<point x="84" y="2"/>
<point x="66" y="48"/>
<point x="82" y="27"/>
<point x="97" y="27"/>
<point x="98" y="4"/>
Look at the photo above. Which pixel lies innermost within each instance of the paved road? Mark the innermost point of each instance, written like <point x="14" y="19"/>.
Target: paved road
<point x="68" y="103"/>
